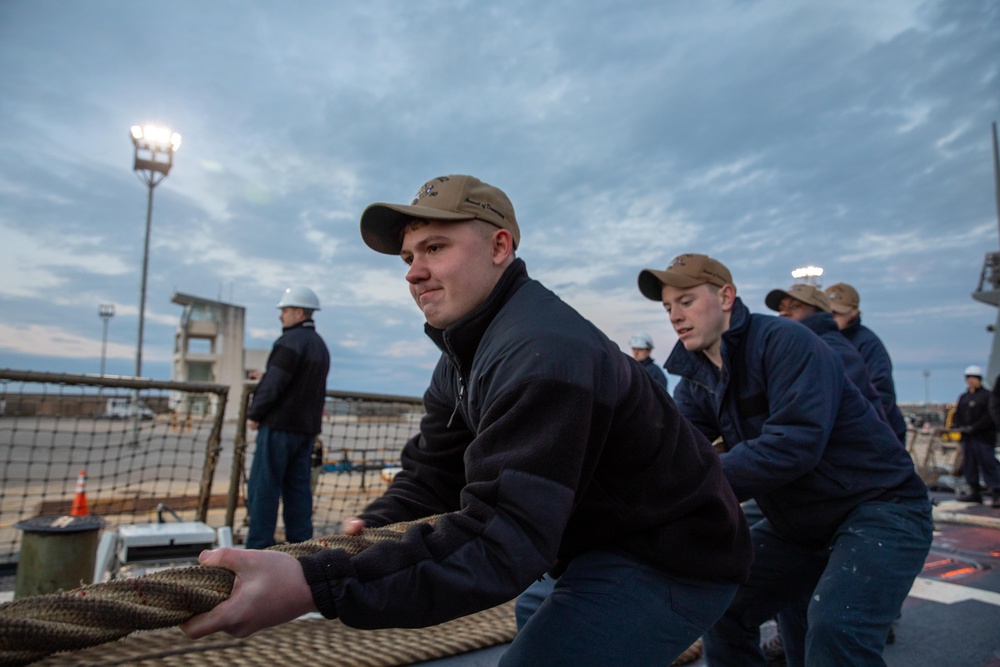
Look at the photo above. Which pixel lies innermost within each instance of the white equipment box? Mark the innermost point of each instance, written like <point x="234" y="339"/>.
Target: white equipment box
<point x="139" y="549"/>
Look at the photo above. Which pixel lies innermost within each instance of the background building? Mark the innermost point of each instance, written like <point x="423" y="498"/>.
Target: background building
<point x="208" y="347"/>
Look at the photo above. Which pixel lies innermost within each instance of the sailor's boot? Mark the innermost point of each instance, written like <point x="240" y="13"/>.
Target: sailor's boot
<point x="970" y="495"/>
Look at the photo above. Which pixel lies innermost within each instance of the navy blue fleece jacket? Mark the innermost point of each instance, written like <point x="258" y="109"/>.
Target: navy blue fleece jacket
<point x="799" y="437"/>
<point x="541" y="441"/>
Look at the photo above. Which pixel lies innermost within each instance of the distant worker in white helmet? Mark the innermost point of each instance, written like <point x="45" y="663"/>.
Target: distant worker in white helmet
<point x="287" y="412"/>
<point x="642" y="349"/>
<point x="972" y="419"/>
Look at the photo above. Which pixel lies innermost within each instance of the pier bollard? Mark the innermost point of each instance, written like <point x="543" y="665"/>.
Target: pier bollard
<point x="57" y="553"/>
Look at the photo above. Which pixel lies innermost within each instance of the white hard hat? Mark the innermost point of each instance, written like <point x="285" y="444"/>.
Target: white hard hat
<point x="641" y="341"/>
<point x="299" y="297"/>
<point x="974" y="370"/>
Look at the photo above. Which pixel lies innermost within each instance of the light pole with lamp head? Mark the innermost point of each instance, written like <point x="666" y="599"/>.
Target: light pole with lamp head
<point x="808" y="274"/>
<point x="154" y="156"/>
<point x="105" y="311"/>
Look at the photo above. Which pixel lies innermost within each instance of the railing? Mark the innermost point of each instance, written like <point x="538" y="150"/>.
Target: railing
<point x="141" y="442"/>
<point x="183" y="458"/>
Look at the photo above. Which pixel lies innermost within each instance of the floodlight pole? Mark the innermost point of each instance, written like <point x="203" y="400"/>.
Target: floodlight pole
<point x="105" y="311"/>
<point x="154" y="156"/>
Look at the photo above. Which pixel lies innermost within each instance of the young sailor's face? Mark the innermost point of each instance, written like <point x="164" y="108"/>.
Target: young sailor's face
<point x="697" y="316"/>
<point x="794" y="309"/>
<point x="452" y="271"/>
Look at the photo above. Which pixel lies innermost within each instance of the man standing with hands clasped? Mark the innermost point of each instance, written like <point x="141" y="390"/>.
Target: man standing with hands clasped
<point x="543" y="448"/>
<point x="287" y="411"/>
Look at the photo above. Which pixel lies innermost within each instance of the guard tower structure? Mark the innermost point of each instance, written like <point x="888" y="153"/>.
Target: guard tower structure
<point x="208" y="347"/>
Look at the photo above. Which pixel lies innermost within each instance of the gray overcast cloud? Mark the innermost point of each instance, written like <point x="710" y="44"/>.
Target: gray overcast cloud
<point x="852" y="135"/>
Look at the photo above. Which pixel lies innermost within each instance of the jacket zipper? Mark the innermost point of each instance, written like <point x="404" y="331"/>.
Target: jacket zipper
<point x="461" y="380"/>
<point x="458" y="401"/>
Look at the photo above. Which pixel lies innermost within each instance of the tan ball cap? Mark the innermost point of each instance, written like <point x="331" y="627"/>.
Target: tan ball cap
<point x="447" y="198"/>
<point x="843" y="298"/>
<point x="688" y="270"/>
<point x="803" y="292"/>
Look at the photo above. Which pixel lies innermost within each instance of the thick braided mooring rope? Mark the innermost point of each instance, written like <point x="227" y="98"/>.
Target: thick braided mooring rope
<point x="34" y="627"/>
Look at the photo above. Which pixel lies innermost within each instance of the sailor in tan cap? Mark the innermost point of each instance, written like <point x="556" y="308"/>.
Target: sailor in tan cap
<point x="543" y="448"/>
<point x="834" y="483"/>
<point x="809" y="306"/>
<point x="845" y="302"/>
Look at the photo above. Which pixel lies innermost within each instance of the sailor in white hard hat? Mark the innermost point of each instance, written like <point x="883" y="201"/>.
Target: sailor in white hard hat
<point x="287" y="412"/>
<point x="972" y="419"/>
<point x="642" y="347"/>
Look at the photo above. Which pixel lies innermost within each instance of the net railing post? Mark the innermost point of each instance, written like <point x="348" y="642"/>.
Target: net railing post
<point x="239" y="453"/>
<point x="213" y="449"/>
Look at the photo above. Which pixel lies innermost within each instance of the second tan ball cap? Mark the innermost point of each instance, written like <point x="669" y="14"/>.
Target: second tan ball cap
<point x="687" y="270"/>
<point x="843" y="297"/>
<point x="804" y="292"/>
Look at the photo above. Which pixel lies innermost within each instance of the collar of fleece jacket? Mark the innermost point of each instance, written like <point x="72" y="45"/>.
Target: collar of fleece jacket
<point x="461" y="339"/>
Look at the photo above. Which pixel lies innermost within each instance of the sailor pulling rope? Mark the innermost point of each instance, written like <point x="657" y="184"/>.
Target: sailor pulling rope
<point x="34" y="627"/>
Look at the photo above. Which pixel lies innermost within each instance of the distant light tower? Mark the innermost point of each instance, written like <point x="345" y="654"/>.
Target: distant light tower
<point x="808" y="274"/>
<point x="927" y="387"/>
<point x="105" y="311"/>
<point x="154" y="155"/>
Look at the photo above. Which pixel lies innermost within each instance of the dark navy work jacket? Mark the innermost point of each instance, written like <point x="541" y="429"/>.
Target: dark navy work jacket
<point x="799" y="437"/>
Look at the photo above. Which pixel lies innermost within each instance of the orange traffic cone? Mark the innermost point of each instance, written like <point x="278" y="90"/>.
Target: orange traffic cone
<point x="80" y="499"/>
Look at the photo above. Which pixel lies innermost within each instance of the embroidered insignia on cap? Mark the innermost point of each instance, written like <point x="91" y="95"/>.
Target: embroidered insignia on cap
<point x="678" y="261"/>
<point x="421" y="193"/>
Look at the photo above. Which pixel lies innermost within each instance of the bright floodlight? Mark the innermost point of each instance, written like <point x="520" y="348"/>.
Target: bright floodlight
<point x="807" y="273"/>
<point x="155" y="138"/>
<point x="154" y="151"/>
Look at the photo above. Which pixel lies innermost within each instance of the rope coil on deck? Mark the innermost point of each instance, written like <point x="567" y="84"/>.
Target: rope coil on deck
<point x="34" y="627"/>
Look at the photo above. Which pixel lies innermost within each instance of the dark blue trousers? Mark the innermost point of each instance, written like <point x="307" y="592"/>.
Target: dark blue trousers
<point x="980" y="459"/>
<point x="608" y="609"/>
<point x="855" y="585"/>
<point x="280" y="471"/>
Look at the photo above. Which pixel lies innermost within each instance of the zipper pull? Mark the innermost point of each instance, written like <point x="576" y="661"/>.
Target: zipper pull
<point x="458" y="401"/>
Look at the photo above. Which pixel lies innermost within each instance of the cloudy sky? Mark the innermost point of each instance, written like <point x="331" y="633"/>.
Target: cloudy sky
<point x="853" y="135"/>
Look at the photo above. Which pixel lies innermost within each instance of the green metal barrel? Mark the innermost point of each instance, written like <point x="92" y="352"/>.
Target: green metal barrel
<point x="57" y="553"/>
